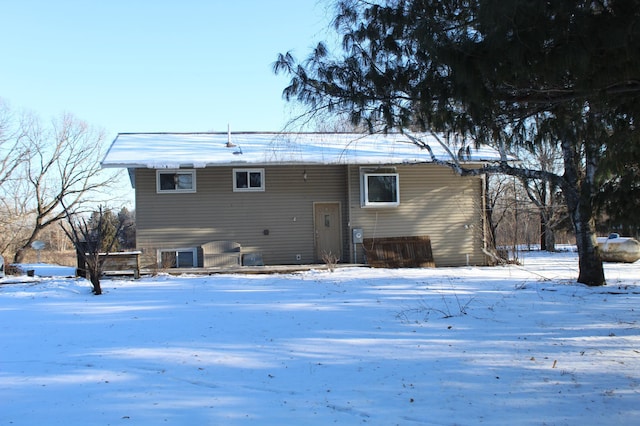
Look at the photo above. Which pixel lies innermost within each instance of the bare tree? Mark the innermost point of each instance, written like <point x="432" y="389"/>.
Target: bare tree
<point x="12" y="152"/>
<point x="546" y="195"/>
<point x="63" y="167"/>
<point x="91" y="239"/>
<point x="498" y="206"/>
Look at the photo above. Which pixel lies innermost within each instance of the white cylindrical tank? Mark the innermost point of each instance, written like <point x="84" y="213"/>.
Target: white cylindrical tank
<point x="619" y="249"/>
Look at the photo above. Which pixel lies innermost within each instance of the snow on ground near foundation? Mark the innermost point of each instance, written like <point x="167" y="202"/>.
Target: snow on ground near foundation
<point x="446" y="346"/>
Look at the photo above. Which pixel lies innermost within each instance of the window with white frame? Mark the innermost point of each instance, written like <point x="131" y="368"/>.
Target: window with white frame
<point x="179" y="180"/>
<point x="248" y="180"/>
<point x="380" y="189"/>
<point x="178" y="258"/>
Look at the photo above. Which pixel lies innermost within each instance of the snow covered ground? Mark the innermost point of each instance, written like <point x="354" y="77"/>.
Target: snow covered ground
<point x="446" y="346"/>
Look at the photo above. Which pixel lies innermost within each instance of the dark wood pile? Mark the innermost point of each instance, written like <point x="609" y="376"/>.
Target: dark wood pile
<point x="399" y="252"/>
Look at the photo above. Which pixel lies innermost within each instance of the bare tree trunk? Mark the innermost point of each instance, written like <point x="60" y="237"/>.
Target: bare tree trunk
<point x="544" y="223"/>
<point x="550" y="238"/>
<point x="95" y="282"/>
<point x="579" y="193"/>
<point x="544" y="230"/>
<point x="491" y="225"/>
<point x="21" y="252"/>
<point x="547" y="235"/>
<point x="590" y="263"/>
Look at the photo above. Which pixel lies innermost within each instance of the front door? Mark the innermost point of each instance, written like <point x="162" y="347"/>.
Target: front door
<point x="328" y="230"/>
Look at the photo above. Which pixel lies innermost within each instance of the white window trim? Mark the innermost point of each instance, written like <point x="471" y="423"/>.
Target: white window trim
<point x="192" y="172"/>
<point x="364" y="190"/>
<point x="193" y="250"/>
<point x="262" y="178"/>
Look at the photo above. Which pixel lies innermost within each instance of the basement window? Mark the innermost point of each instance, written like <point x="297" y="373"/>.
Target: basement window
<point x="177" y="258"/>
<point x="248" y="180"/>
<point x="170" y="181"/>
<point x="380" y="189"/>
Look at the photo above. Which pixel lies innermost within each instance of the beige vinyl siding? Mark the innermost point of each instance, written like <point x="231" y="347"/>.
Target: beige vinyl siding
<point x="435" y="202"/>
<point x="284" y="211"/>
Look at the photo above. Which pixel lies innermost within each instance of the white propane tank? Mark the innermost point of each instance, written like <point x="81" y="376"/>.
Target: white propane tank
<point x="615" y="248"/>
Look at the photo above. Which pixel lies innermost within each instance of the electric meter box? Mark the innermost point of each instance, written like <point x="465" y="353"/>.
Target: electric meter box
<point x="358" y="236"/>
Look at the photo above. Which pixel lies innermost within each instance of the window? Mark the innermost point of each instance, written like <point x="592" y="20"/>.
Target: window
<point x="248" y="180"/>
<point x="176" y="180"/>
<point x="380" y="190"/>
<point x="177" y="258"/>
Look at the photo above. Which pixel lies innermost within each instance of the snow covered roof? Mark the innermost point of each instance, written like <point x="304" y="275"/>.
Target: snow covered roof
<point x="173" y="150"/>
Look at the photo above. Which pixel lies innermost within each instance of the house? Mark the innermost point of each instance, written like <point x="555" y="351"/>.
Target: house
<point x="289" y="198"/>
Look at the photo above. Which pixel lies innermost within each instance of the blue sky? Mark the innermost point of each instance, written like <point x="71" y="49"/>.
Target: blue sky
<point x="155" y="66"/>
